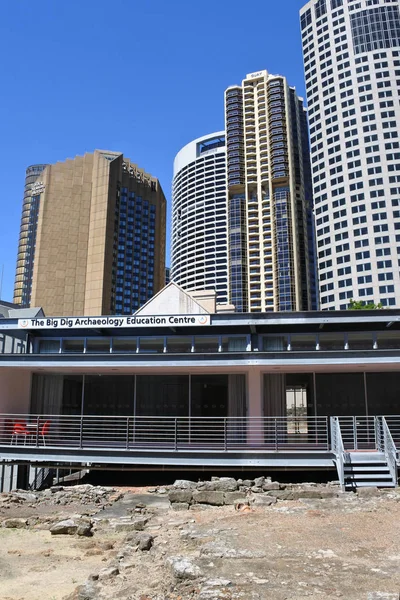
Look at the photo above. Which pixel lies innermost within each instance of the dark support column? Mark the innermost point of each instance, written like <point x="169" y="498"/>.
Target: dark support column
<point x="83" y="394"/>
<point x="315" y="393"/>
<point x="10" y="487"/>
<point x="22" y="477"/>
<point x="365" y="393"/>
<point x="3" y="469"/>
<point x="134" y="395"/>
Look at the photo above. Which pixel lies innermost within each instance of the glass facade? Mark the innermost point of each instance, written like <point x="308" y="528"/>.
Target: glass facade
<point x="237" y="252"/>
<point x="212" y="395"/>
<point x="375" y="28"/>
<point x="134" y="252"/>
<point x="285" y="264"/>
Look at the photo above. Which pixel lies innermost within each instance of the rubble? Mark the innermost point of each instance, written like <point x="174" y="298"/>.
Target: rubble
<point x="210" y="540"/>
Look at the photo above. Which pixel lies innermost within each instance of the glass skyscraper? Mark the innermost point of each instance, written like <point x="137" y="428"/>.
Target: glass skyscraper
<point x="352" y="68"/>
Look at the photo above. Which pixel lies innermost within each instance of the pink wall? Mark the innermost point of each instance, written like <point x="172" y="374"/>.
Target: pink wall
<point x="15" y="390"/>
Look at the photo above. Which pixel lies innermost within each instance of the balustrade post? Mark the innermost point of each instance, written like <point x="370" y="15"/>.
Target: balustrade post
<point x="176" y="434"/>
<point x="355" y="433"/>
<point x="225" y="435"/>
<point x="127" y="433"/>
<point x="37" y="430"/>
<point x="81" y="432"/>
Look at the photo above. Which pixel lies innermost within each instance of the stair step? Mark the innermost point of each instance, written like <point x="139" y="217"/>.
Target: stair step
<point x="358" y="469"/>
<point x="348" y="486"/>
<point x="375" y="476"/>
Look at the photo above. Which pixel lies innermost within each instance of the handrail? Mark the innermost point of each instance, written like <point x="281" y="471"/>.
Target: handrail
<point x="135" y="433"/>
<point x="389" y="448"/>
<point x="338" y="448"/>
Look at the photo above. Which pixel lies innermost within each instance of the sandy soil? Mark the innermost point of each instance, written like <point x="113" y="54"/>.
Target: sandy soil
<point x="299" y="550"/>
<point x="34" y="565"/>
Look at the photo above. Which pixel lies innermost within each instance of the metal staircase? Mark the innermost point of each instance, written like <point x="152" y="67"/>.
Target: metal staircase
<point x="365" y="453"/>
<point x="367" y="469"/>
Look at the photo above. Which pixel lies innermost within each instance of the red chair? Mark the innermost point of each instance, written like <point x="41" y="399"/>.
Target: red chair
<point x="19" y="429"/>
<point x="44" y="431"/>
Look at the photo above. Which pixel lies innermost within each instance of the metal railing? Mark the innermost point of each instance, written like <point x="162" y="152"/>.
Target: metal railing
<point x="393" y="423"/>
<point x="338" y="448"/>
<point x="358" y="433"/>
<point x="387" y="445"/>
<point x="131" y="433"/>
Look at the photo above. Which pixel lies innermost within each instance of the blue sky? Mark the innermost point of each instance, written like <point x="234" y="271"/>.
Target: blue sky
<point x="143" y="77"/>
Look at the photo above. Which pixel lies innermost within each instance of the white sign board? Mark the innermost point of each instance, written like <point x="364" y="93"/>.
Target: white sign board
<point x="114" y="322"/>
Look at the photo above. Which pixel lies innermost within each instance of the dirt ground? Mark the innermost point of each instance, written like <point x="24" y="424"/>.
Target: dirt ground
<point x="295" y="550"/>
<point x="35" y="565"/>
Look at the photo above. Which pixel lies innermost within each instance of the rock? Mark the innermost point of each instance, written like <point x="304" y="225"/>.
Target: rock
<point x="26" y="496"/>
<point x="108" y="573"/>
<point x="185" y="484"/>
<point x="270" y="485"/>
<point x="140" y="524"/>
<point x="208" y="486"/>
<point x="15" y="523"/>
<point x="256" y="489"/>
<point x="67" y="527"/>
<point x="368" y="492"/>
<point x="72" y="526"/>
<point x="247" y="483"/>
<point x="125" y="526"/>
<point x="263" y="500"/>
<point x="88" y="591"/>
<point x="231" y="497"/>
<point x="259" y="481"/>
<point x="213" y="498"/>
<point x="382" y="596"/>
<point x="180" y="506"/>
<point x="225" y="484"/>
<point x="143" y="541"/>
<point x="84" y="529"/>
<point x="281" y="494"/>
<point x="219" y="582"/>
<point x="180" y="496"/>
<point x="183" y="568"/>
<point x="200" y="507"/>
<point x="220" y="550"/>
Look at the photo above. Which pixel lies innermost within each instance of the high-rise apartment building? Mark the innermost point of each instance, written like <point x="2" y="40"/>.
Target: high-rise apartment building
<point x="352" y="68"/>
<point x="92" y="237"/>
<point x="199" y="255"/>
<point x="270" y="224"/>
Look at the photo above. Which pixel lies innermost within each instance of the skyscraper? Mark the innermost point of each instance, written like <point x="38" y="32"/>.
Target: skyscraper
<point x="271" y="238"/>
<point x="199" y="256"/>
<point x="352" y="68"/>
<point x="96" y="237"/>
<point x="27" y="235"/>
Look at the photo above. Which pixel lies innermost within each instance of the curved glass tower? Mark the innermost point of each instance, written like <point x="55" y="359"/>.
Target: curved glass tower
<point x="199" y="256"/>
<point x="27" y="235"/>
<point x="352" y="68"/>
